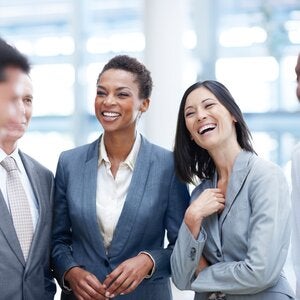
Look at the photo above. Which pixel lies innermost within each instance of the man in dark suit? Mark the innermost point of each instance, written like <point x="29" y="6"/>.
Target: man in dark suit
<point x="26" y="189"/>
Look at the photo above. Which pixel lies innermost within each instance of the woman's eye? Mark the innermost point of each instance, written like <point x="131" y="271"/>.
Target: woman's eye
<point x="123" y="95"/>
<point x="100" y="93"/>
<point x="189" y="113"/>
<point x="209" y="105"/>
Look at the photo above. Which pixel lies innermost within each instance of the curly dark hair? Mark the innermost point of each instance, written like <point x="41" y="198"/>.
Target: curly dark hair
<point x="190" y="159"/>
<point x="132" y="65"/>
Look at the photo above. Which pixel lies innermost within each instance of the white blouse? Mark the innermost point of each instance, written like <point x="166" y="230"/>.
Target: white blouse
<point x="111" y="192"/>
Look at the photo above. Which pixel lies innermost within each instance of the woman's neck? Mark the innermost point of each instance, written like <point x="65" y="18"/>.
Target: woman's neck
<point x="118" y="146"/>
<point x="224" y="160"/>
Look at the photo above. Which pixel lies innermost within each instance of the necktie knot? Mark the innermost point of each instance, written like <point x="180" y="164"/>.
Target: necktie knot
<point x="9" y="164"/>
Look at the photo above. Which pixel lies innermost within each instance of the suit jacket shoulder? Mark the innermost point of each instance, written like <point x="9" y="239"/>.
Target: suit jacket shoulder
<point x="158" y="154"/>
<point x="29" y="161"/>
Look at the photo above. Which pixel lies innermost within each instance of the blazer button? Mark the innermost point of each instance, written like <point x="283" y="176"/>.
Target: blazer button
<point x="193" y="253"/>
<point x="106" y="263"/>
<point x="219" y="253"/>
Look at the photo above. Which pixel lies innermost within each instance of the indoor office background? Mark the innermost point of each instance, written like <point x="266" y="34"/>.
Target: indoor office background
<point x="250" y="46"/>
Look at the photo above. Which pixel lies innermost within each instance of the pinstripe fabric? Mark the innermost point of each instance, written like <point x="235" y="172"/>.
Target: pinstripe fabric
<point x="19" y="205"/>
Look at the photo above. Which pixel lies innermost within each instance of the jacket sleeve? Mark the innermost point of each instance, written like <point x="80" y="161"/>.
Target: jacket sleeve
<point x="268" y="240"/>
<point x="62" y="259"/>
<point x="186" y="256"/>
<point x="295" y="216"/>
<point x="178" y="200"/>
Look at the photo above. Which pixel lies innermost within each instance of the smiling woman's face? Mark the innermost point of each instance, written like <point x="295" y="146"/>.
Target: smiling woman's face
<point x="117" y="103"/>
<point x="210" y="124"/>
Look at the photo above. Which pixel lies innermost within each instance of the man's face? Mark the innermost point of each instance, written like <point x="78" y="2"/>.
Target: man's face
<point x="297" y="70"/>
<point x="16" y="105"/>
<point x="7" y="93"/>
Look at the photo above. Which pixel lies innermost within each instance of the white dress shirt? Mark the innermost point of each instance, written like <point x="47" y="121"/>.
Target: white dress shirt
<point x="296" y="216"/>
<point x="111" y="192"/>
<point x="25" y="182"/>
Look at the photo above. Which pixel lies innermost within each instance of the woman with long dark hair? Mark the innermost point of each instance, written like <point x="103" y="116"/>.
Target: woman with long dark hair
<point x="234" y="239"/>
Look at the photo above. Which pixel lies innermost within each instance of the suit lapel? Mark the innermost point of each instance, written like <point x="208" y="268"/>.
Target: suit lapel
<point x="89" y="196"/>
<point x="133" y="199"/>
<point x="239" y="174"/>
<point x="8" y="229"/>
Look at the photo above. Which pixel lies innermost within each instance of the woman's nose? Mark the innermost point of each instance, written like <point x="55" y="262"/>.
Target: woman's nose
<point x="109" y="100"/>
<point x="201" y="114"/>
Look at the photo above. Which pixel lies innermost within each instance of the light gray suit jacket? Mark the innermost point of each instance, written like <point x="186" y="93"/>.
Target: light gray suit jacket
<point x="155" y="204"/>
<point x="247" y="244"/>
<point x="30" y="280"/>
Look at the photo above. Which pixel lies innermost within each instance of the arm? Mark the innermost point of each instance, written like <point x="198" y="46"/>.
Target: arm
<point x="82" y="283"/>
<point x="295" y="174"/>
<point x="62" y="258"/>
<point x="177" y="205"/>
<point x="50" y="287"/>
<point x="186" y="256"/>
<point x="268" y="240"/>
<point x="186" y="260"/>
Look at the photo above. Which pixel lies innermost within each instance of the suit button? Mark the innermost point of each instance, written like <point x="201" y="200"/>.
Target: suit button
<point x="219" y="253"/>
<point x="193" y="253"/>
<point x="106" y="263"/>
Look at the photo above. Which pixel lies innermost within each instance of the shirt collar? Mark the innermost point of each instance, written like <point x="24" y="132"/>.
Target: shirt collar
<point x="15" y="155"/>
<point x="130" y="159"/>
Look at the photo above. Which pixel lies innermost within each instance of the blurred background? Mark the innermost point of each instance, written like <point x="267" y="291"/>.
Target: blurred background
<point x="250" y="46"/>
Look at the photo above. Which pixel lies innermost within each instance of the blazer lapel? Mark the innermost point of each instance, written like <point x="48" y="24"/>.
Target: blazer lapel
<point x="8" y="229"/>
<point x="237" y="178"/>
<point x="88" y="202"/>
<point x="133" y="199"/>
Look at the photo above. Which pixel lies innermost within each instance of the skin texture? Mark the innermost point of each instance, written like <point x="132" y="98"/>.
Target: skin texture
<point x="117" y="108"/>
<point x="18" y="92"/>
<point x="8" y="93"/>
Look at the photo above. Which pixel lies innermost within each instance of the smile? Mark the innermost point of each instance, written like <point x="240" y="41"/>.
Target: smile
<point x="206" y="128"/>
<point x="110" y="114"/>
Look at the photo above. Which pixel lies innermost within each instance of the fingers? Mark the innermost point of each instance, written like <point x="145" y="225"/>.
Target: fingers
<point x="118" y="282"/>
<point x="95" y="287"/>
<point x="130" y="288"/>
<point x="113" y="282"/>
<point x="122" y="285"/>
<point x="127" y="276"/>
<point x="85" y="285"/>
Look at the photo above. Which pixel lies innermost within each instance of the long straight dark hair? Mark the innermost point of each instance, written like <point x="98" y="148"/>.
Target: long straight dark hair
<point x="190" y="159"/>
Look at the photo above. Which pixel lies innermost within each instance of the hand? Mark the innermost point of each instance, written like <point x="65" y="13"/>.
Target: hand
<point x="85" y="285"/>
<point x="208" y="202"/>
<point x="128" y="275"/>
<point x="203" y="263"/>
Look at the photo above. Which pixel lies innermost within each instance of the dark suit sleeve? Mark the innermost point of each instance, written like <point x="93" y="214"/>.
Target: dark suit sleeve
<point x="62" y="259"/>
<point x="178" y="201"/>
<point x="50" y="287"/>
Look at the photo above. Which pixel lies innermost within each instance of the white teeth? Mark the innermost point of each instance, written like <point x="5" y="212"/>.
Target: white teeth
<point x="205" y="127"/>
<point x="110" y="114"/>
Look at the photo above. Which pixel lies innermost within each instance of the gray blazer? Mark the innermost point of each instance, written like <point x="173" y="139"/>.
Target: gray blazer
<point x="31" y="280"/>
<point x="155" y="204"/>
<point x="247" y="245"/>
